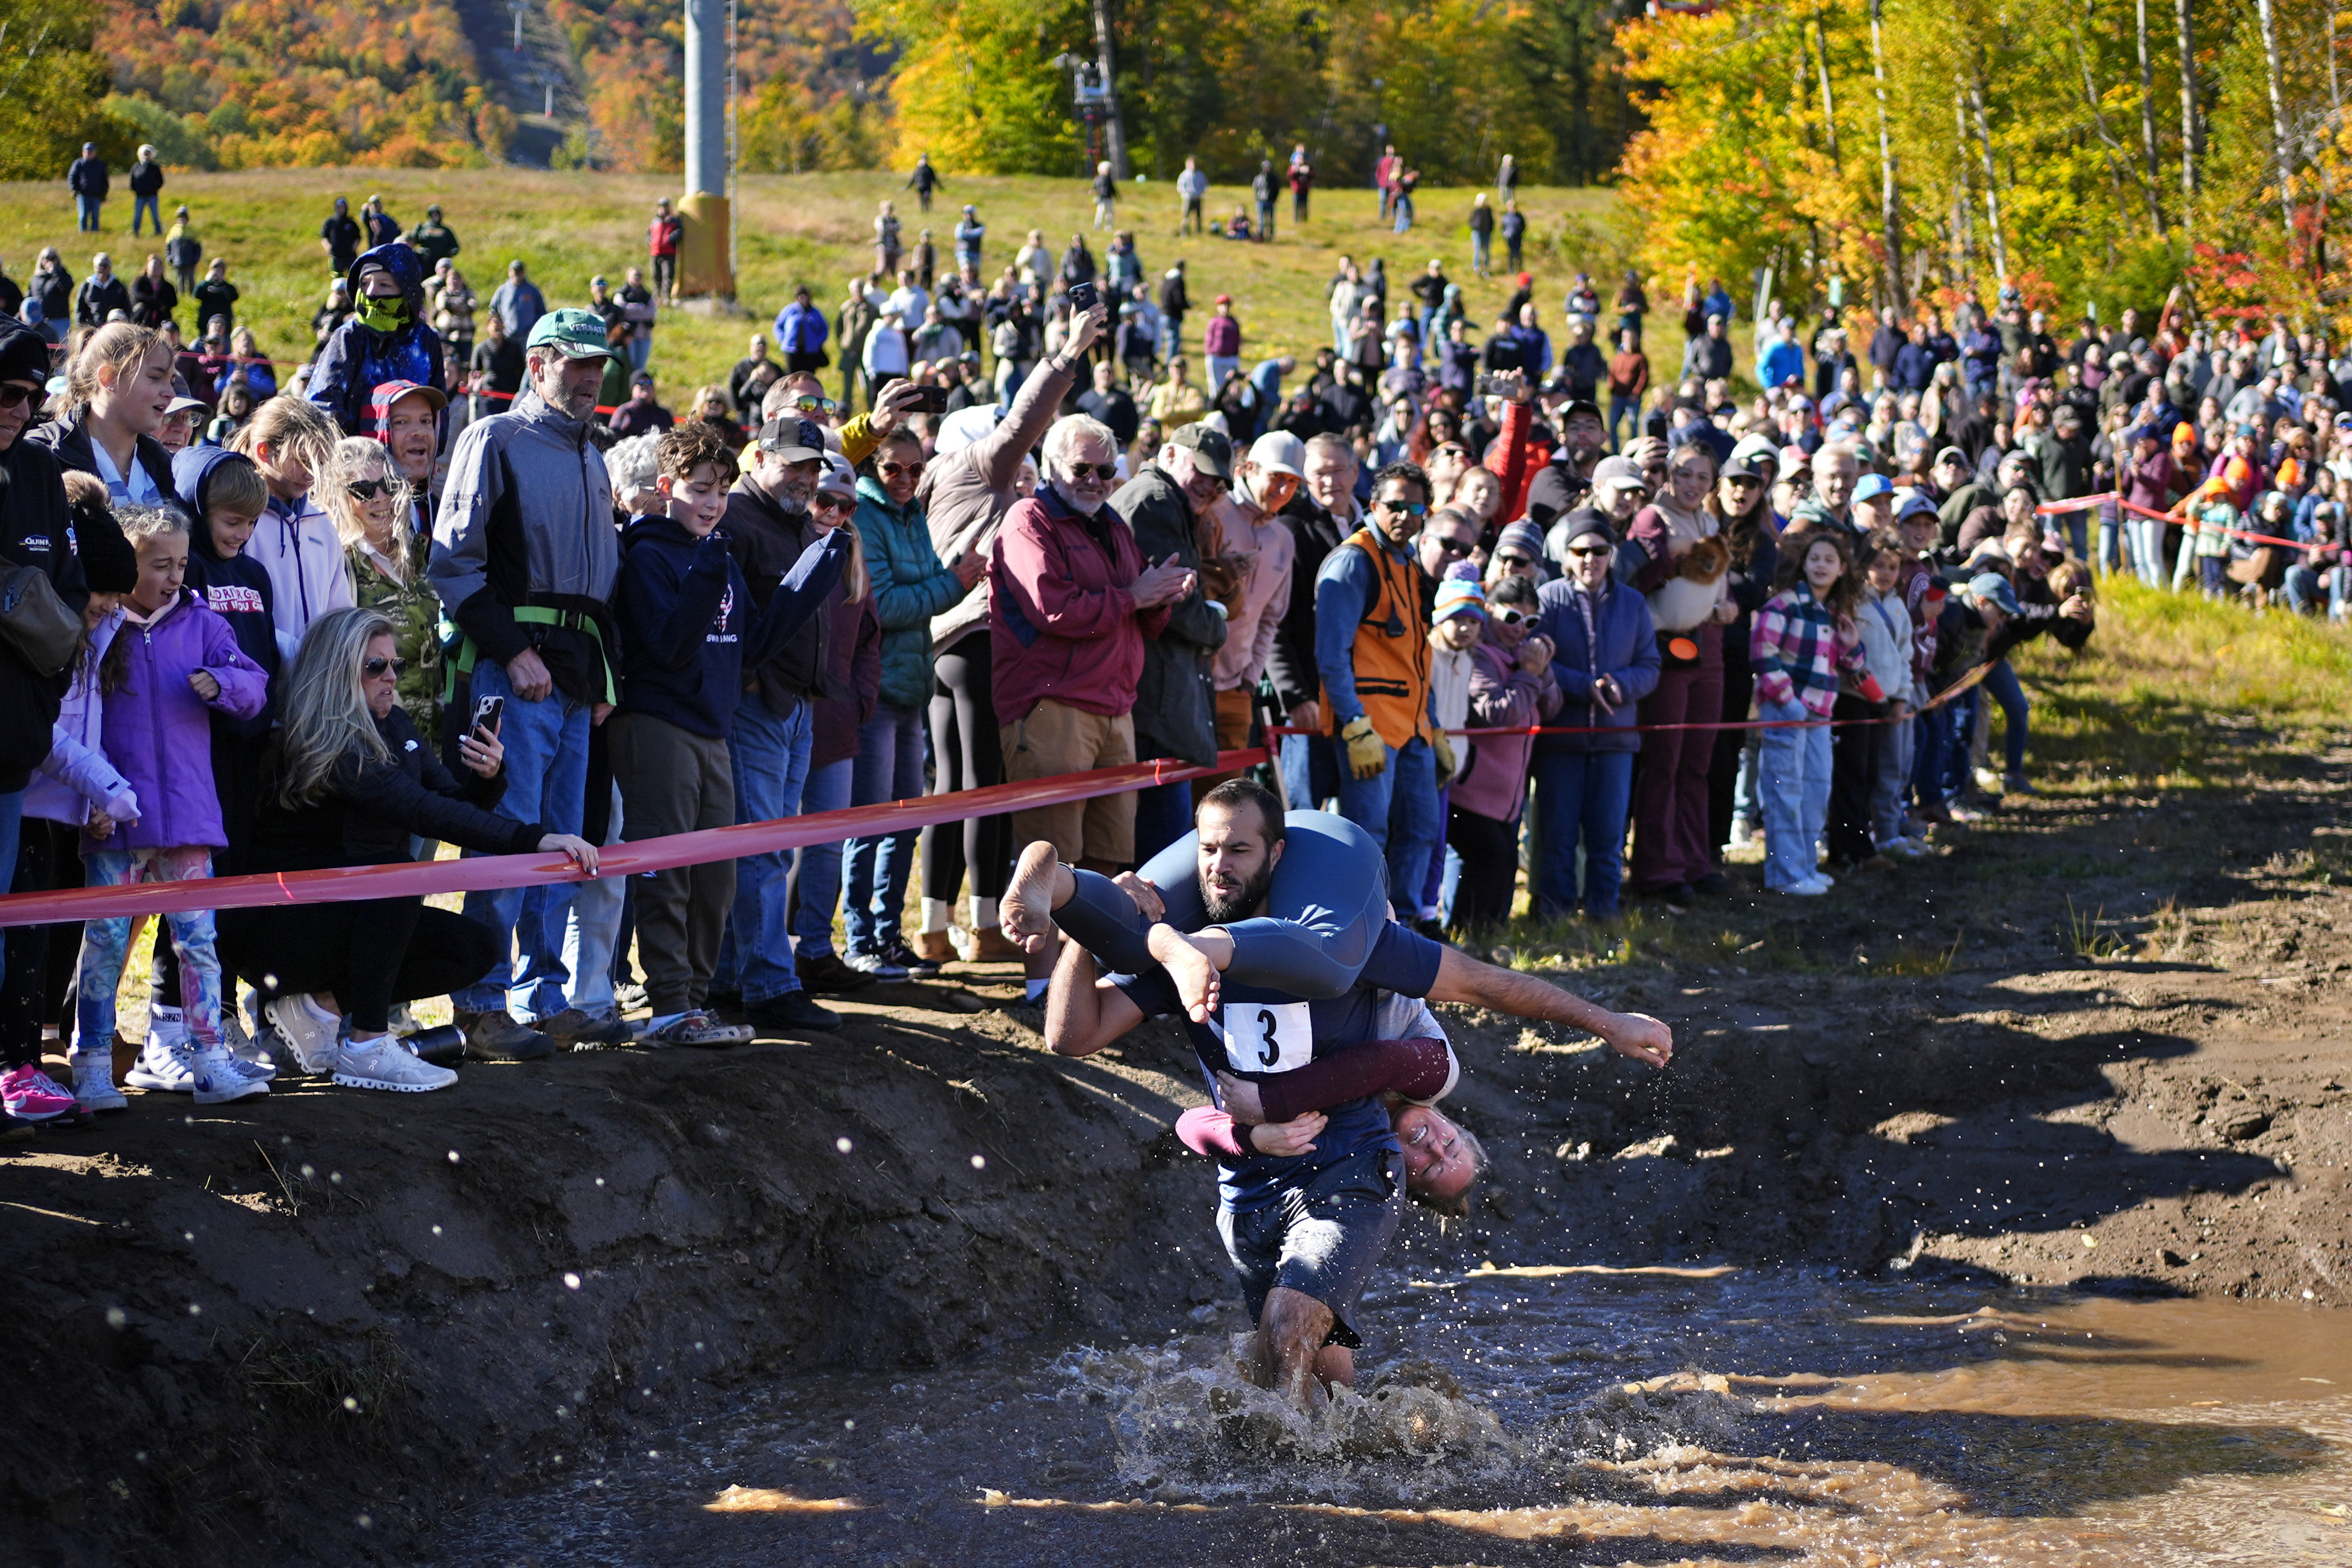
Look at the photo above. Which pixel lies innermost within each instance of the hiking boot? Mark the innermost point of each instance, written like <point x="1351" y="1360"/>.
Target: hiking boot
<point x="826" y="971"/>
<point x="2014" y="784"/>
<point x="1681" y="895"/>
<point x="28" y="1094"/>
<point x="307" y="1034"/>
<point x="93" y="1082"/>
<point x="934" y="946"/>
<point x="495" y="1037"/>
<point x="604" y="1033"/>
<point x="566" y="1027"/>
<point x="988" y="945"/>
<point x="386" y="1062"/>
<point x="876" y="966"/>
<point x="217" y="1081"/>
<point x="165" y="1068"/>
<point x="701" y="1030"/>
<point x="792" y="1011"/>
<point x="913" y="962"/>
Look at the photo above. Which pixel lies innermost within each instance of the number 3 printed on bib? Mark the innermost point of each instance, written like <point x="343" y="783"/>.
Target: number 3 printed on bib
<point x="1268" y="1036"/>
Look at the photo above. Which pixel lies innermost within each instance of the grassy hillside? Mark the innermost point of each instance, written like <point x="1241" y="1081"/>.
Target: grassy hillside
<point x="810" y="228"/>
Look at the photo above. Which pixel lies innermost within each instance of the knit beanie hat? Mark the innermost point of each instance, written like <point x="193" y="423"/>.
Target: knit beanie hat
<point x="1459" y="596"/>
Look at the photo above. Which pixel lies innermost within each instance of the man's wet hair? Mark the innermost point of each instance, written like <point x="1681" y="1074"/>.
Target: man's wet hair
<point x="1245" y="791"/>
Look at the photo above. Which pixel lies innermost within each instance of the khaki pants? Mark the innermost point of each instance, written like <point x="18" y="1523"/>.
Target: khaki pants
<point x="1236" y="712"/>
<point x="1055" y="737"/>
<point x="673" y="781"/>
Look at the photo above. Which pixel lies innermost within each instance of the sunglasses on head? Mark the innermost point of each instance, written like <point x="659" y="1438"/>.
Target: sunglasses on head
<point x="375" y="669"/>
<point x="1104" y="471"/>
<point x="13" y="393"/>
<point x="368" y="489"/>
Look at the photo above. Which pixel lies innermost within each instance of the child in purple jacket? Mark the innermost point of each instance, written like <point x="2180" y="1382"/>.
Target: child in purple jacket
<point x="172" y="665"/>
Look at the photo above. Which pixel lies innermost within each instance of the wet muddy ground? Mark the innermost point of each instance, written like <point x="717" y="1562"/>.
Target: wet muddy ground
<point x="2089" y="1064"/>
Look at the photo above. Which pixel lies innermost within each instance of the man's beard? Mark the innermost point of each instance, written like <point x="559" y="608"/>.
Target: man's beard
<point x="1222" y="911"/>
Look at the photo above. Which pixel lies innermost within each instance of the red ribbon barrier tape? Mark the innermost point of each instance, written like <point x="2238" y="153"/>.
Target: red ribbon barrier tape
<point x="2084" y="503"/>
<point x="486" y="872"/>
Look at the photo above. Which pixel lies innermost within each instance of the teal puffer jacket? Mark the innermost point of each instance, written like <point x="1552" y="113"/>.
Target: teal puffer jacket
<point x="911" y="586"/>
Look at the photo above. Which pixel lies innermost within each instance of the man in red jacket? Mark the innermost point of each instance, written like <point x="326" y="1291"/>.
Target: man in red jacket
<point x="1074" y="600"/>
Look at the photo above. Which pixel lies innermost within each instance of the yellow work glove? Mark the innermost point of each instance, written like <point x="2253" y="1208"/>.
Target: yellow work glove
<point x="1444" y="749"/>
<point x="1367" y="752"/>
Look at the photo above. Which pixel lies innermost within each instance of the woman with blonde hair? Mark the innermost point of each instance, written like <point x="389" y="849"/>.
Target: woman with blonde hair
<point x="710" y="406"/>
<point x="367" y="498"/>
<point x="244" y="359"/>
<point x="117" y="387"/>
<point x="349" y="782"/>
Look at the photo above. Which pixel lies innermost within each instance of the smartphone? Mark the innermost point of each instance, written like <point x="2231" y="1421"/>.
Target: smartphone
<point x="488" y="712"/>
<point x="1492" y="385"/>
<point x="934" y="400"/>
<point x="1083" y="297"/>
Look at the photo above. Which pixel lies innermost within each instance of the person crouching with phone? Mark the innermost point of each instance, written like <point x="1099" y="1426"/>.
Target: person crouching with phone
<point x="688" y="630"/>
<point x="348" y="781"/>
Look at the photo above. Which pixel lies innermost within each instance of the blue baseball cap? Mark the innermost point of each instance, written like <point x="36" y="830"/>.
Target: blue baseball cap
<point x="1992" y="588"/>
<point x="1871" y="485"/>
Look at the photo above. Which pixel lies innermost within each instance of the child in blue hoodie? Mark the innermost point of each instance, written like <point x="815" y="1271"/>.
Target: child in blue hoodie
<point x="688" y="630"/>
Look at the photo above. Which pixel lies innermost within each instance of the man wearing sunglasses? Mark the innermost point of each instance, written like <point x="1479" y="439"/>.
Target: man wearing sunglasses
<point x="1372" y="650"/>
<point x="1175" y="702"/>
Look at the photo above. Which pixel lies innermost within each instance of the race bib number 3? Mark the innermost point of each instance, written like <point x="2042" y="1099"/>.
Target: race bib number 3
<point x="1268" y="1036"/>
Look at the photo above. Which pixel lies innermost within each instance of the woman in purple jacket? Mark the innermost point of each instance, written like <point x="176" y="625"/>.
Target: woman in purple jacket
<point x="1605" y="657"/>
<point x="172" y="666"/>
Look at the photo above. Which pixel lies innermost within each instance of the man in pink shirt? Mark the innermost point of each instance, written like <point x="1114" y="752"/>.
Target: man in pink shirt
<point x="1262" y="545"/>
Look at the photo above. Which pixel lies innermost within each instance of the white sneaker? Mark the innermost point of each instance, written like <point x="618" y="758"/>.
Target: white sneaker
<point x="386" y="1062"/>
<point x="1743" y="831"/>
<point x="166" y="1029"/>
<point x="93" y="1085"/>
<point x="310" y="1034"/>
<point x="1812" y="889"/>
<point x="1825" y="879"/>
<point x="218" y="1079"/>
<point x="166" y="1067"/>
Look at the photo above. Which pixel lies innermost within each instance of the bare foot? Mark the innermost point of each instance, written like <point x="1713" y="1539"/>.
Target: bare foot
<point x="1240" y="1098"/>
<point x="1026" y="910"/>
<point x="1197" y="980"/>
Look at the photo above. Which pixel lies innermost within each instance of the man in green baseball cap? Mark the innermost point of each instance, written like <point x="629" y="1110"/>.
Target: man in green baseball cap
<point x="567" y="349"/>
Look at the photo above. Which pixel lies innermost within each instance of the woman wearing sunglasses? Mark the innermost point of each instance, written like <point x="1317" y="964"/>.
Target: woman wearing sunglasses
<point x="349" y="782"/>
<point x="368" y="500"/>
<point x="1742" y="508"/>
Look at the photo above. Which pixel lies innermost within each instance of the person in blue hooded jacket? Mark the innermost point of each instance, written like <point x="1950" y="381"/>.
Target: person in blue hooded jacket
<point x="387" y="338"/>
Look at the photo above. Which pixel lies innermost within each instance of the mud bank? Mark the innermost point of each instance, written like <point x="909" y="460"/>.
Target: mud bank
<point x="305" y="1329"/>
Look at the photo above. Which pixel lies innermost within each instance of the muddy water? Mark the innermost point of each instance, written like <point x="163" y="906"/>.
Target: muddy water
<point x="1523" y="1416"/>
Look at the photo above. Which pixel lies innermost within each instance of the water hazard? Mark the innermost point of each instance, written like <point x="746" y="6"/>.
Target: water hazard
<point x="1525" y="1416"/>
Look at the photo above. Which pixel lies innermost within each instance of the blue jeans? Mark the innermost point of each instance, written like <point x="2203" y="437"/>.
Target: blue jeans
<point x="1625" y="411"/>
<point x="1482" y="252"/>
<point x="1796" y="789"/>
<point x="1307" y="773"/>
<point x="547" y="782"/>
<point x="1398" y="807"/>
<point x="770" y="757"/>
<point x="146" y="204"/>
<point x="86" y="214"/>
<point x="1581" y="795"/>
<point x="2006" y="690"/>
<point x="816" y="875"/>
<point x="594" y="931"/>
<point x="890" y="767"/>
<point x="2147" y="536"/>
<point x="1894" y="778"/>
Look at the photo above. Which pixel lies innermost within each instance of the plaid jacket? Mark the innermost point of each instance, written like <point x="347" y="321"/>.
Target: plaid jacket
<point x="1797" y="650"/>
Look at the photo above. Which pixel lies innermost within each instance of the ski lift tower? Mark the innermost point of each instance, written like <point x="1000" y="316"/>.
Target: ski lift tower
<point x="1093" y="101"/>
<point x="706" y="252"/>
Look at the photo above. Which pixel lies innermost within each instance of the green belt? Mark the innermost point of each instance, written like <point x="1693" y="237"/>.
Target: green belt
<point x="463" y="653"/>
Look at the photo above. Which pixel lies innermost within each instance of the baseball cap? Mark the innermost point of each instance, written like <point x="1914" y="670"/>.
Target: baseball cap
<point x="574" y="333"/>
<point x="794" y="439"/>
<point x="1871" y="485"/>
<point x="1212" y="450"/>
<point x="1279" y="452"/>
<point x="182" y="405"/>
<point x="1914" y="505"/>
<point x="1619" y="471"/>
<point x="387" y="393"/>
<point x="1575" y="406"/>
<point x="838" y="479"/>
<point x="1992" y="588"/>
<point x="1952" y="455"/>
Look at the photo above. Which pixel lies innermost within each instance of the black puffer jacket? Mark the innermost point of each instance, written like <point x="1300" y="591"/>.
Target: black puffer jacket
<point x="370" y="810"/>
